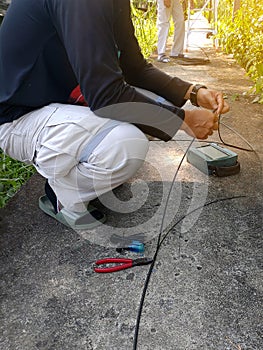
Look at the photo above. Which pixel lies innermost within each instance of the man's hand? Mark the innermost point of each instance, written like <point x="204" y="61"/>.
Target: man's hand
<point x="200" y="123"/>
<point x="213" y="100"/>
<point x="167" y="3"/>
<point x="210" y="99"/>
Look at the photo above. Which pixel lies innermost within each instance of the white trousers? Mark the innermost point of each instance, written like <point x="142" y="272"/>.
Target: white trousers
<point x="163" y="24"/>
<point x="81" y="154"/>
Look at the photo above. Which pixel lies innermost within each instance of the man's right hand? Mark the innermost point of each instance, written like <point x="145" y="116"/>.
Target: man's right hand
<point x="200" y="123"/>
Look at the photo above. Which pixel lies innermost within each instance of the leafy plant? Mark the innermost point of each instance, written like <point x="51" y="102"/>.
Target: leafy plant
<point x="12" y="176"/>
<point x="242" y="35"/>
<point x="144" y="20"/>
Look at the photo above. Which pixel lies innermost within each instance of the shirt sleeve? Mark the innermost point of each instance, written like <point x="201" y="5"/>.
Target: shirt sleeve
<point x="89" y="31"/>
<point x="137" y="71"/>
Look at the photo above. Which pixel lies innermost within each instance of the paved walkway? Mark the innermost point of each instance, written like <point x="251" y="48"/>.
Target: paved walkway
<point x="206" y="288"/>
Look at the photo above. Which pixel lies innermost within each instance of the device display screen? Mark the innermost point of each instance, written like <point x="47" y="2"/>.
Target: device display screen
<point x="212" y="152"/>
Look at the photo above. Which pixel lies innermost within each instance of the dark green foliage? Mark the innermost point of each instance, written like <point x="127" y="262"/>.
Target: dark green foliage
<point x="12" y="175"/>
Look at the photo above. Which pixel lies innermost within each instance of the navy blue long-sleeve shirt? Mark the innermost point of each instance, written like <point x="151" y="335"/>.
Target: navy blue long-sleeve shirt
<point x="47" y="47"/>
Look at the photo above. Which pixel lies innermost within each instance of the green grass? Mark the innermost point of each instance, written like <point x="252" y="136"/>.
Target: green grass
<point x="12" y="176"/>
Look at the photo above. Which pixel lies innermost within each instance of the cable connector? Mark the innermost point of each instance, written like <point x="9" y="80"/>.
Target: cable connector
<point x="135" y="246"/>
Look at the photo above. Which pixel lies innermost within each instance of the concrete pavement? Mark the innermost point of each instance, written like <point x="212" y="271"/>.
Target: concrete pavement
<point x="206" y="288"/>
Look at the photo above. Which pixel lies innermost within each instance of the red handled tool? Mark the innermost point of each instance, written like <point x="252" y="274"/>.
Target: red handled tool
<point x="122" y="264"/>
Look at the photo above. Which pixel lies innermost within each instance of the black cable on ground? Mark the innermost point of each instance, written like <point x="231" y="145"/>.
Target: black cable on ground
<point x="230" y="145"/>
<point x="162" y="239"/>
<point x="156" y="251"/>
<point x="146" y="284"/>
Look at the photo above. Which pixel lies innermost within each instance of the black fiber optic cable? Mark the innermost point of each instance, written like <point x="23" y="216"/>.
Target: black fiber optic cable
<point x="230" y="145"/>
<point x="159" y="243"/>
<point x="162" y="239"/>
<point x="222" y="142"/>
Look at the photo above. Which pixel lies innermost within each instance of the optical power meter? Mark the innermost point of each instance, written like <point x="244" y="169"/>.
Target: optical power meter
<point x="213" y="159"/>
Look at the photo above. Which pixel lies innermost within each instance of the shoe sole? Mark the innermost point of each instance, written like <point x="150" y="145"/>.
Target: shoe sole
<point x="70" y="219"/>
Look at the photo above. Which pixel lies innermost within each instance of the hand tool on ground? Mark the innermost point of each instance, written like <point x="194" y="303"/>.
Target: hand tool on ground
<point x="119" y="264"/>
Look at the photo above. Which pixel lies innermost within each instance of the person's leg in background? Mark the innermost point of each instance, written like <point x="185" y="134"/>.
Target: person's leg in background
<point x="179" y="28"/>
<point x="163" y="25"/>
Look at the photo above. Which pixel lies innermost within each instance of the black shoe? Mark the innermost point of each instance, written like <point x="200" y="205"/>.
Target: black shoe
<point x="51" y="196"/>
<point x="79" y="221"/>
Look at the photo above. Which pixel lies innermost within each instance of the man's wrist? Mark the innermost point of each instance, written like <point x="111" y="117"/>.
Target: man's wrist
<point x="194" y="92"/>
